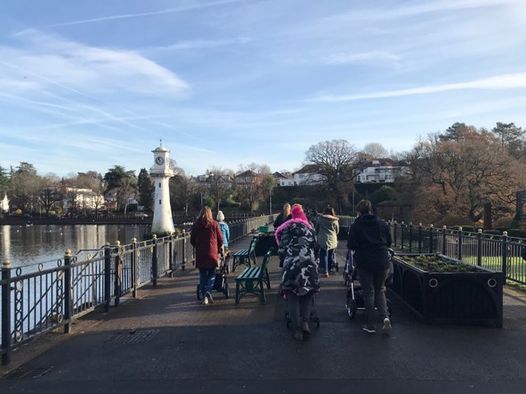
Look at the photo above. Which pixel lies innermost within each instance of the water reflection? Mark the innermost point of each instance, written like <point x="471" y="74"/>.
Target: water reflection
<point x="25" y="245"/>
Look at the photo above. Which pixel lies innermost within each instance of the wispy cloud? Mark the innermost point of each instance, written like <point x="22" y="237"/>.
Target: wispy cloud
<point x="362" y="57"/>
<point x="200" y="44"/>
<point x="147" y="13"/>
<point x="419" y="8"/>
<point x="505" y="81"/>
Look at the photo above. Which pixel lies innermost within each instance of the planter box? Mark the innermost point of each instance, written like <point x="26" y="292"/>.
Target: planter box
<point x="450" y="297"/>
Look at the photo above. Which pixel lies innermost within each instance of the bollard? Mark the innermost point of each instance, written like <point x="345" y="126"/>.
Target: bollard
<point x="117" y="279"/>
<point x="107" y="278"/>
<point x="155" y="266"/>
<point x="6" y="313"/>
<point x="134" y="267"/>
<point x="68" y="293"/>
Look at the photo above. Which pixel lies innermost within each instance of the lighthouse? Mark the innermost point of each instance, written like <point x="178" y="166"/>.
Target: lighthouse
<point x="161" y="172"/>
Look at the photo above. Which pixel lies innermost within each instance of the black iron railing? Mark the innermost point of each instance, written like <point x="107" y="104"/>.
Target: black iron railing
<point x="496" y="252"/>
<point x="47" y="296"/>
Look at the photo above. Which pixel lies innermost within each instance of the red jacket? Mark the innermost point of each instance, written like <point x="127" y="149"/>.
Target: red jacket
<point x="207" y="240"/>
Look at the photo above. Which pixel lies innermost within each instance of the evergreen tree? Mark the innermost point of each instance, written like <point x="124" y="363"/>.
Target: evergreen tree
<point x="146" y="189"/>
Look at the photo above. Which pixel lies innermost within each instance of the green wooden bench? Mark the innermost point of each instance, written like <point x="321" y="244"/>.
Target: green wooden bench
<point x="245" y="256"/>
<point x="252" y="279"/>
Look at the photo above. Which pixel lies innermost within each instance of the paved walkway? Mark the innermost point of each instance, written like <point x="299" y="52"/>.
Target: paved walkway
<point x="167" y="342"/>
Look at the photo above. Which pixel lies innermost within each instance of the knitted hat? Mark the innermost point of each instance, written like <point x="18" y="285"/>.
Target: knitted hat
<point x="297" y="212"/>
<point x="220" y="217"/>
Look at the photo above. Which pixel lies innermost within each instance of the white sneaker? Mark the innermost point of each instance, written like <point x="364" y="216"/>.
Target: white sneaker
<point x="205" y="300"/>
<point x="387" y="325"/>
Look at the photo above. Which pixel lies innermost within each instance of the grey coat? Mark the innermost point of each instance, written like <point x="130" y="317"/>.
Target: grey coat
<point x="327" y="229"/>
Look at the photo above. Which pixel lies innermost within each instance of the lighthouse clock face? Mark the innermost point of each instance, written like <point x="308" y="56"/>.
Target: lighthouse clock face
<point x="159" y="160"/>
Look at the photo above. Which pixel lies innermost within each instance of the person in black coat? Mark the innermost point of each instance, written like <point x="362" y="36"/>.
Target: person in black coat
<point x="283" y="216"/>
<point x="370" y="239"/>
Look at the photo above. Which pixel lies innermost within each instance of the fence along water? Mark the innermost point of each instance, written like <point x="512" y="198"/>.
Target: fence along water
<point x="495" y="252"/>
<point x="47" y="296"/>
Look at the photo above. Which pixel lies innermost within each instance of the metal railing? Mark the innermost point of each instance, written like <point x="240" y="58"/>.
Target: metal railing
<point x="46" y="296"/>
<point x="495" y="252"/>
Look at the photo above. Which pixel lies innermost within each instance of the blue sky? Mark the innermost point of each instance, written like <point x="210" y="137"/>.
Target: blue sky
<point x="85" y="85"/>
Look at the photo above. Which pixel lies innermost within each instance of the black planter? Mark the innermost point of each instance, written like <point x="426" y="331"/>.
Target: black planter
<point x="450" y="297"/>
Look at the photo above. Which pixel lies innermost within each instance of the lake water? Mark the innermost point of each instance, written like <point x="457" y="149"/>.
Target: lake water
<point x="24" y="245"/>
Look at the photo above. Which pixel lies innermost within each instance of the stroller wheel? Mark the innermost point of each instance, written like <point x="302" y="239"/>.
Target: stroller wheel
<point x="226" y="290"/>
<point x="198" y="293"/>
<point x="351" y="307"/>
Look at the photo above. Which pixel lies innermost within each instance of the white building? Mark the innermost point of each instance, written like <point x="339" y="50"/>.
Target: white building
<point x="381" y="171"/>
<point x="4" y="204"/>
<point x="82" y="199"/>
<point x="161" y="172"/>
<point x="308" y="175"/>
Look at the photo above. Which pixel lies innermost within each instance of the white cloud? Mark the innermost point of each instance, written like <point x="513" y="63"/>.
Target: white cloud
<point x="200" y="44"/>
<point x="147" y="13"/>
<point x="362" y="57"/>
<point x="44" y="60"/>
<point x="505" y="81"/>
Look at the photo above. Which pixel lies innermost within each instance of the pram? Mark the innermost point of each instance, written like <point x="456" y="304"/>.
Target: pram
<point x="313" y="313"/>
<point x="354" y="297"/>
<point x="221" y="282"/>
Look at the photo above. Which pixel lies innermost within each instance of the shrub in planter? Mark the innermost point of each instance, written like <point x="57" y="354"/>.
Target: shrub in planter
<point x="444" y="290"/>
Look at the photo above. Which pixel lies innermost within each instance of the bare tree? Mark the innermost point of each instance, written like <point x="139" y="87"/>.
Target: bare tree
<point x="338" y="162"/>
<point x="375" y="150"/>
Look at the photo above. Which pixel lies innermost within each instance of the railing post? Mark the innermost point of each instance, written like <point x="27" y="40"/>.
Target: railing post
<point x="68" y="293"/>
<point x="171" y="258"/>
<point x="183" y="262"/>
<point x="410" y="237"/>
<point x="479" y="247"/>
<point x="419" y="237"/>
<point x="107" y="278"/>
<point x="459" y="254"/>
<point x="6" y="312"/>
<point x="402" y="236"/>
<point x="444" y="240"/>
<point x="394" y="233"/>
<point x="134" y="267"/>
<point x="431" y="228"/>
<point x="155" y="264"/>
<point x="505" y="254"/>
<point x="117" y="278"/>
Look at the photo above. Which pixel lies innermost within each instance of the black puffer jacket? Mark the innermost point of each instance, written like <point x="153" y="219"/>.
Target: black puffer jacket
<point x="369" y="238"/>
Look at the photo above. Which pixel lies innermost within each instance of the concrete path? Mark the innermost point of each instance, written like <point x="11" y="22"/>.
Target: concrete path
<point x="168" y="342"/>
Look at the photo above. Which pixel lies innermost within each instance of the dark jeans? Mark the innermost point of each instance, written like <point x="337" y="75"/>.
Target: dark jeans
<point x="326" y="260"/>
<point x="207" y="277"/>
<point x="300" y="308"/>
<point x="373" y="288"/>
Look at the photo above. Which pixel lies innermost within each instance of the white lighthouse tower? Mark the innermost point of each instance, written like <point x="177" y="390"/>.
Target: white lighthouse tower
<point x="161" y="172"/>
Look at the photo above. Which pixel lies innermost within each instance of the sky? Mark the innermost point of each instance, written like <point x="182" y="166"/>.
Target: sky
<point x="86" y="85"/>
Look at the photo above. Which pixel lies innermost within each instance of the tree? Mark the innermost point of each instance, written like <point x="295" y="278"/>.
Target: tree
<point x="122" y="184"/>
<point x="25" y="187"/>
<point x="146" y="189"/>
<point x="511" y="137"/>
<point x="338" y="162"/>
<point x="375" y="150"/>
<point x="457" y="176"/>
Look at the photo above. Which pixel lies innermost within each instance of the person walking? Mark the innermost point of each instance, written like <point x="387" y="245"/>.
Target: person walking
<point x="207" y="239"/>
<point x="327" y="229"/>
<point x="283" y="216"/>
<point x="225" y="230"/>
<point x="370" y="238"/>
<point x="299" y="280"/>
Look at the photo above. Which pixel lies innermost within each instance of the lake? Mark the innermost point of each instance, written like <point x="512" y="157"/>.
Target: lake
<point x="25" y="245"/>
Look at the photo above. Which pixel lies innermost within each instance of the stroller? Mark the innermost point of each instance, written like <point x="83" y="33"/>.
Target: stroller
<point x="313" y="314"/>
<point x="354" y="298"/>
<point x="220" y="283"/>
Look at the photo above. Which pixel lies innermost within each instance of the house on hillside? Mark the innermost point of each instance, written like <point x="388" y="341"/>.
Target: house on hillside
<point x="4" y="204"/>
<point x="308" y="175"/>
<point x="82" y="199"/>
<point x="283" y="180"/>
<point x="210" y="178"/>
<point x="247" y="178"/>
<point x="381" y="171"/>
